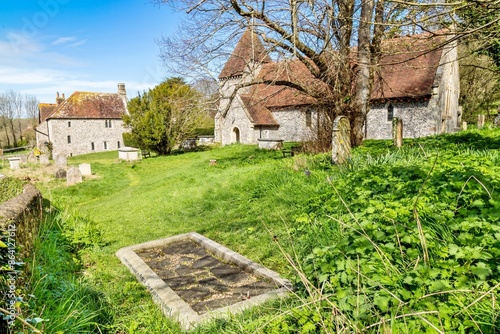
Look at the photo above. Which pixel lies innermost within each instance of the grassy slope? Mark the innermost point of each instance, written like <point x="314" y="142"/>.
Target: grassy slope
<point x="233" y="203"/>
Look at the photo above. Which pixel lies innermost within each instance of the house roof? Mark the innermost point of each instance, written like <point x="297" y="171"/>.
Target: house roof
<point x="408" y="67"/>
<point x="89" y="105"/>
<point x="249" y="49"/>
<point x="45" y="110"/>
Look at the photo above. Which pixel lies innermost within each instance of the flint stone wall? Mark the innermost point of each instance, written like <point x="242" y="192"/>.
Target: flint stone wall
<point x="417" y="118"/>
<point x="22" y="213"/>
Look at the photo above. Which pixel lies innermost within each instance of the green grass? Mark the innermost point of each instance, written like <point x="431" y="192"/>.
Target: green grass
<point x="247" y="200"/>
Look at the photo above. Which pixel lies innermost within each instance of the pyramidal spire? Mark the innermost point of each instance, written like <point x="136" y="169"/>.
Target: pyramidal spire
<point x="248" y="50"/>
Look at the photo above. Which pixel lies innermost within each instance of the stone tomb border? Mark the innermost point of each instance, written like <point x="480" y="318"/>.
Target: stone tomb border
<point x="172" y="305"/>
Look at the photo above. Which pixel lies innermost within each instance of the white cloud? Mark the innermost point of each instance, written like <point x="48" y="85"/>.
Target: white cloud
<point x="63" y="40"/>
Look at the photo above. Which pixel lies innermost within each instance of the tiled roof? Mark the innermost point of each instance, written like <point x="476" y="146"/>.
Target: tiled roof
<point x="249" y="49"/>
<point x="91" y="105"/>
<point x="407" y="70"/>
<point x="45" y="110"/>
<point x="258" y="111"/>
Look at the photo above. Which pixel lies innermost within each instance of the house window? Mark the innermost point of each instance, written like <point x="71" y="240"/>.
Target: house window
<point x="93" y="146"/>
<point x="308" y="118"/>
<point x="69" y="139"/>
<point x="390" y="112"/>
<point x="118" y="144"/>
<point x="69" y="124"/>
<point x="105" y="145"/>
<point x="107" y="123"/>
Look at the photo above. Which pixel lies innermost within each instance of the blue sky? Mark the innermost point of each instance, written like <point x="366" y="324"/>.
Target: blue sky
<point x="49" y="46"/>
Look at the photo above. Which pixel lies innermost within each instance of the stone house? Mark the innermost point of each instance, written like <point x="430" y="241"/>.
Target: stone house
<point x="415" y="81"/>
<point x="83" y="123"/>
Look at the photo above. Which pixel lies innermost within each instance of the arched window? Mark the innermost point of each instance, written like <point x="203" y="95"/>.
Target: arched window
<point x="390" y="112"/>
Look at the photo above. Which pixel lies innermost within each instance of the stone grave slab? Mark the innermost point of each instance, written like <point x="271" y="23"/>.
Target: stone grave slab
<point x="44" y="160"/>
<point x="194" y="279"/>
<point x="73" y="176"/>
<point x="341" y="143"/>
<point x="60" y="174"/>
<point x="61" y="160"/>
<point x="85" y="169"/>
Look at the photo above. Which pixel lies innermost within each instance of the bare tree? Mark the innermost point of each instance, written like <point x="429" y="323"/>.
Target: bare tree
<point x="4" y="117"/>
<point x="31" y="108"/>
<point x="337" y="41"/>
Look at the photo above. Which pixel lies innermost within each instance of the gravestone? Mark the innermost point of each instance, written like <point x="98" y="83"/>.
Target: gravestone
<point x="61" y="160"/>
<point x="44" y="160"/>
<point x="23" y="159"/>
<point x="341" y="143"/>
<point x="32" y="158"/>
<point x="74" y="176"/>
<point x="480" y="121"/>
<point x="496" y="121"/>
<point x="464" y="126"/>
<point x="60" y="174"/>
<point x="14" y="162"/>
<point x="85" y="169"/>
<point x="397" y="132"/>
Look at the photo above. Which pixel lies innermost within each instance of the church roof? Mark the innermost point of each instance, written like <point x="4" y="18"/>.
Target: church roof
<point x="89" y="105"/>
<point x="249" y="49"/>
<point x="407" y="69"/>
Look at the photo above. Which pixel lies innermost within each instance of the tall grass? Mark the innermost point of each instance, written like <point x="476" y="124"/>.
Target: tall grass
<point x="63" y="300"/>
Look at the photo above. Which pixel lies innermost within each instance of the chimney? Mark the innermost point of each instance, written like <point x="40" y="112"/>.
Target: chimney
<point x="121" y="89"/>
<point x="60" y="100"/>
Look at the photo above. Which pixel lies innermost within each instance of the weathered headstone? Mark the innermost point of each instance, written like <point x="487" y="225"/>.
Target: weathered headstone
<point x="44" y="160"/>
<point x="61" y="160"/>
<point x="60" y="174"/>
<point x="397" y="132"/>
<point x="14" y="162"/>
<point x="464" y="126"/>
<point x="341" y="144"/>
<point x="496" y="121"/>
<point x="23" y="159"/>
<point x="74" y="176"/>
<point x="85" y="169"/>
<point x="480" y="121"/>
<point x="32" y="158"/>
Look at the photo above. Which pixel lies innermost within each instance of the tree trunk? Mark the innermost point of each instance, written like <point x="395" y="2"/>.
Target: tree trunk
<point x="11" y="123"/>
<point x="6" y="130"/>
<point x="361" y="105"/>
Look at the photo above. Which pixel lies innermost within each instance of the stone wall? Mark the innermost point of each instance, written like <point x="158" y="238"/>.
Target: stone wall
<point x="22" y="215"/>
<point x="418" y="120"/>
<point x="84" y="132"/>
<point x="293" y="125"/>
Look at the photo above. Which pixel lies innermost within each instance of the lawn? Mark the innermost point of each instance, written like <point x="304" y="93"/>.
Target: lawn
<point x="392" y="214"/>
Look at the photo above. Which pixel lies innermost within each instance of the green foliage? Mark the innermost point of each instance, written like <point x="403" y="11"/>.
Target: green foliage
<point x="65" y="300"/>
<point x="129" y="140"/>
<point x="419" y="234"/>
<point x="10" y="188"/>
<point x="363" y="260"/>
<point x="164" y="116"/>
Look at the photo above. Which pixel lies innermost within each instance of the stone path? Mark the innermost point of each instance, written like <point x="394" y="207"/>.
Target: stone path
<point x="200" y="279"/>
